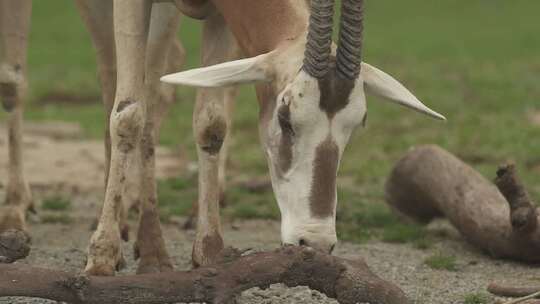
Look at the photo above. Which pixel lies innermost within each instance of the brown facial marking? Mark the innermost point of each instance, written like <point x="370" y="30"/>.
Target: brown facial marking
<point x="323" y="185"/>
<point x="335" y="91"/>
<point x="287" y="134"/>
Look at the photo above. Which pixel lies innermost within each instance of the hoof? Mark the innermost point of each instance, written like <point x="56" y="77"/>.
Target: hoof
<point x="153" y="266"/>
<point x="14" y="245"/>
<point x="100" y="270"/>
<point x="104" y="252"/>
<point x="93" y="225"/>
<point x="152" y="262"/>
<point x="189" y="224"/>
<point x="104" y="269"/>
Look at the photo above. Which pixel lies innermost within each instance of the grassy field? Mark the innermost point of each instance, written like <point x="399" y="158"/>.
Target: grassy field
<point x="477" y="62"/>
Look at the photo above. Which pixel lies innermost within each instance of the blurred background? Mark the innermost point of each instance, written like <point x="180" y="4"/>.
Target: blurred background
<point x="475" y="61"/>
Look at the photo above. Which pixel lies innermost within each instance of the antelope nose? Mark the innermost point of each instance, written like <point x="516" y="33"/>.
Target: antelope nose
<point x="321" y="246"/>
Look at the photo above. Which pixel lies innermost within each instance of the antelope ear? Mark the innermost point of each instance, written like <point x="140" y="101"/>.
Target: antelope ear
<point x="381" y="84"/>
<point x="249" y="70"/>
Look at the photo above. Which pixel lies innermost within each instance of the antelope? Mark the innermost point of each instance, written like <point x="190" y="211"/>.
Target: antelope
<point x="311" y="97"/>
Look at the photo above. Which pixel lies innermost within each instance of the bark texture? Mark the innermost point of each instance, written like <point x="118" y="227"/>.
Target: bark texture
<point x="345" y="280"/>
<point x="430" y="182"/>
<point x="14" y="245"/>
<point x="511" y="291"/>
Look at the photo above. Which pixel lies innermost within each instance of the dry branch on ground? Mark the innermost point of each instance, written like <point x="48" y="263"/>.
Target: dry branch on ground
<point x="511" y="291"/>
<point x="430" y="182"/>
<point x="345" y="280"/>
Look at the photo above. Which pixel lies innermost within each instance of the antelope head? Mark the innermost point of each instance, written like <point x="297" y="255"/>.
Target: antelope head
<point x="313" y="100"/>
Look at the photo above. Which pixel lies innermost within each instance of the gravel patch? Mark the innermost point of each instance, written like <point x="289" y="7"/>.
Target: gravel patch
<point x="64" y="247"/>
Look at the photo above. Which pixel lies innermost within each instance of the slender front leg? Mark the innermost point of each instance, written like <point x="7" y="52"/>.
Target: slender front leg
<point x="98" y="18"/>
<point x="150" y="246"/>
<point x="14" y="29"/>
<point x="131" y="21"/>
<point x="175" y="60"/>
<point x="211" y="125"/>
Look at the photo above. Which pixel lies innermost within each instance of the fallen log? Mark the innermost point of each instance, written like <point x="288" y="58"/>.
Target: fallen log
<point x="429" y="182"/>
<point x="14" y="245"/>
<point x="511" y="291"/>
<point x="345" y="280"/>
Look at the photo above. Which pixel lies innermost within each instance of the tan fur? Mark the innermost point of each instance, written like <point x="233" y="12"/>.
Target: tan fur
<point x="142" y="37"/>
<point x="14" y="29"/>
<point x="263" y="25"/>
<point x="211" y="127"/>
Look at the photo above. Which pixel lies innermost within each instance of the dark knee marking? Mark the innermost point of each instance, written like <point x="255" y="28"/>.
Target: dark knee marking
<point x="124" y="104"/>
<point x="323" y="186"/>
<point x="212" y="136"/>
<point x="11" y="86"/>
<point x="8" y="91"/>
<point x="128" y="125"/>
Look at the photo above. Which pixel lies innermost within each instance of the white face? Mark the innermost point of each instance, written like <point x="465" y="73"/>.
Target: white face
<point x="304" y="143"/>
<point x="303" y="137"/>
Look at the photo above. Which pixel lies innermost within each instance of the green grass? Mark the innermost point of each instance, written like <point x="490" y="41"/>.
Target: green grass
<point x="61" y="218"/>
<point x="176" y="196"/>
<point x="457" y="56"/>
<point x="56" y="203"/>
<point x="476" y="298"/>
<point x="442" y="262"/>
<point x="403" y="233"/>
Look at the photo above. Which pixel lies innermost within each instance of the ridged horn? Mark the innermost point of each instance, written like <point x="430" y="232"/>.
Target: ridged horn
<point x="319" y="39"/>
<point x="349" y="52"/>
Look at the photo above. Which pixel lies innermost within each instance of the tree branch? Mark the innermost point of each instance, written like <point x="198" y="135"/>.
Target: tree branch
<point x="430" y="182"/>
<point x="522" y="210"/>
<point x="510" y="291"/>
<point x="345" y="280"/>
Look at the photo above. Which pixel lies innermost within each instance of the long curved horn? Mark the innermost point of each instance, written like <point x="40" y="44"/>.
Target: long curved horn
<point x="349" y="52"/>
<point x="319" y="39"/>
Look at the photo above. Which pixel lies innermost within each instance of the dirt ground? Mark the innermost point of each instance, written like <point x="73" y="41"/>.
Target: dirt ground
<point x="58" y="160"/>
